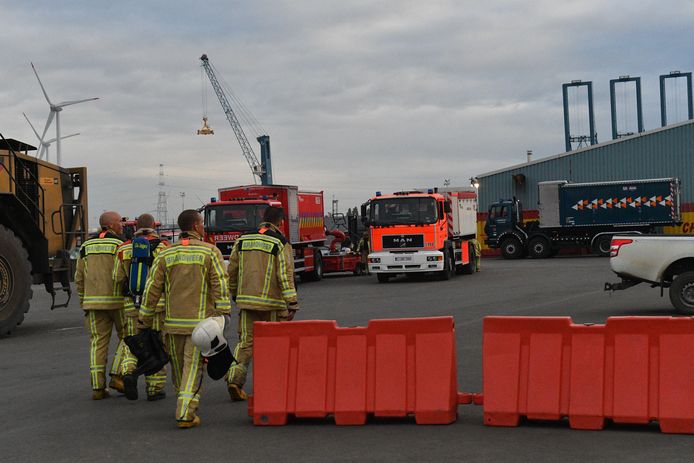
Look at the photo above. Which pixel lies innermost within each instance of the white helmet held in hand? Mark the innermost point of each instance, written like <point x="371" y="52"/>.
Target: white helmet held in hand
<point x="210" y="336"/>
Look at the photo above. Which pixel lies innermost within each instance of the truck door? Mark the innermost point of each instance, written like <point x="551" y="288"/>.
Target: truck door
<point x="498" y="220"/>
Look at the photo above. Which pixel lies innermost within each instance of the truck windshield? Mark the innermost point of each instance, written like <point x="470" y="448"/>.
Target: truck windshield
<point x="403" y="211"/>
<point x="234" y="217"/>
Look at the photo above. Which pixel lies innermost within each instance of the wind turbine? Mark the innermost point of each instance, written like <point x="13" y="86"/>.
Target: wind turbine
<point x="45" y="145"/>
<point x="55" y="112"/>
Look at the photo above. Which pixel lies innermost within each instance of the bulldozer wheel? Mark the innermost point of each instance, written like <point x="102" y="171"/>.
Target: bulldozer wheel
<point x="15" y="281"/>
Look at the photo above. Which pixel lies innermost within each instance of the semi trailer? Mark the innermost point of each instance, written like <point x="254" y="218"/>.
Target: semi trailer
<point x="582" y="215"/>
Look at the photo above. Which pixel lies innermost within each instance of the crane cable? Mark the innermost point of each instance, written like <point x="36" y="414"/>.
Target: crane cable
<point x="203" y="91"/>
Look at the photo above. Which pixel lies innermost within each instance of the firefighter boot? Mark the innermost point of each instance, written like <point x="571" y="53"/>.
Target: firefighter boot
<point x="99" y="394"/>
<point x="189" y="424"/>
<point x="116" y="383"/>
<point x="237" y="393"/>
<point x="130" y="387"/>
<point x="156" y="396"/>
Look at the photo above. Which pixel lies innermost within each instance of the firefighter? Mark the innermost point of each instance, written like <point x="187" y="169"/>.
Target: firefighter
<point x="191" y="274"/>
<point x="102" y="301"/>
<point x="363" y="248"/>
<point x="261" y="279"/>
<point x="145" y="227"/>
<point x="478" y="253"/>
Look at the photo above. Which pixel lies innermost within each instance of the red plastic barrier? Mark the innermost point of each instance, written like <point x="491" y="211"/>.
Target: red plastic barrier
<point x="630" y="370"/>
<point x="392" y="368"/>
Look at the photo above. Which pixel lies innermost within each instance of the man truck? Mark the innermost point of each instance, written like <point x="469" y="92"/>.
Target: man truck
<point x="43" y="210"/>
<point x="582" y="215"/>
<point x="421" y="232"/>
<point x="240" y="210"/>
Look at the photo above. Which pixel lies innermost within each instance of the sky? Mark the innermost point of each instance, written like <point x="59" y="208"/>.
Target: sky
<point x="357" y="96"/>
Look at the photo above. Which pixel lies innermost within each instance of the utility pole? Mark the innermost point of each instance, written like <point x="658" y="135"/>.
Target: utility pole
<point x="162" y="214"/>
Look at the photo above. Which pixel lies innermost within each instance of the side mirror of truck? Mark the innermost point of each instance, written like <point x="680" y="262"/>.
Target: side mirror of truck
<point x="447" y="207"/>
<point x="364" y="214"/>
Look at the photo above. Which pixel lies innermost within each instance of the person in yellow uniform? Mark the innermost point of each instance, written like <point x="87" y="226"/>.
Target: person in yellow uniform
<point x="261" y="279"/>
<point x="156" y="382"/>
<point x="102" y="301"/>
<point x="190" y="276"/>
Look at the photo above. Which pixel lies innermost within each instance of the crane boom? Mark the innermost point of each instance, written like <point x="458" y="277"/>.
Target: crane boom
<point x="261" y="169"/>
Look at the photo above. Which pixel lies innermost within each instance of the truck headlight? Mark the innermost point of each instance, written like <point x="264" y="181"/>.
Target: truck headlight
<point x="374" y="260"/>
<point x="434" y="258"/>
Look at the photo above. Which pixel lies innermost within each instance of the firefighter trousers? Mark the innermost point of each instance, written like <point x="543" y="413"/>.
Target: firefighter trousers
<point x="186" y="372"/>
<point x="100" y="324"/>
<point x="244" y="349"/>
<point x="156" y="382"/>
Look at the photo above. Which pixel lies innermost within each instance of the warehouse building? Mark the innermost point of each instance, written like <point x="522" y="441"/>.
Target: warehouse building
<point x="659" y="153"/>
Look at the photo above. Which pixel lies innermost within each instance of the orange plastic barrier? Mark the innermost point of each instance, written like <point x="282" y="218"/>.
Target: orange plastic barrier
<point x="630" y="370"/>
<point x="392" y="368"/>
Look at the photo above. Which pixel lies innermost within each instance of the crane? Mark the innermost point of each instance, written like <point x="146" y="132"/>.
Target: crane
<point x="262" y="168"/>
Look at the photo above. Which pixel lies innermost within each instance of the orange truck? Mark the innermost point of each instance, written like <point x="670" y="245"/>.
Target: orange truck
<point x="422" y="231"/>
<point x="240" y="209"/>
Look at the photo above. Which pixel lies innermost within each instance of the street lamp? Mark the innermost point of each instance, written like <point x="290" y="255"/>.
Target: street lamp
<point x="474" y="182"/>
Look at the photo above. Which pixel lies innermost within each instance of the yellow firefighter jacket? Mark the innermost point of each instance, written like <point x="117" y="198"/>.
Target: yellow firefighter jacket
<point x="261" y="271"/>
<point x="121" y="271"/>
<point x="192" y="275"/>
<point x="94" y="276"/>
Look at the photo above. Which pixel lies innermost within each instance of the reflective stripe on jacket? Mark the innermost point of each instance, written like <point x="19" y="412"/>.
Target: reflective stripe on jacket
<point x="261" y="270"/>
<point x="121" y="271"/>
<point x="192" y="274"/>
<point x="94" y="276"/>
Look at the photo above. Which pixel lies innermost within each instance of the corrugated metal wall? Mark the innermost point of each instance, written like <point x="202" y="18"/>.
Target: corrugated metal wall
<point x="665" y="152"/>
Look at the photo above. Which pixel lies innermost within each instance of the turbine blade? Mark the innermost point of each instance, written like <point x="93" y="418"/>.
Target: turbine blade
<point x="41" y="84"/>
<point x="71" y="102"/>
<point x="68" y="136"/>
<point x="48" y="124"/>
<point x="32" y="126"/>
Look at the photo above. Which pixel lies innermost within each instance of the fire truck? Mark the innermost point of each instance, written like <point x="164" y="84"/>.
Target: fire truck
<point x="421" y="232"/>
<point x="240" y="210"/>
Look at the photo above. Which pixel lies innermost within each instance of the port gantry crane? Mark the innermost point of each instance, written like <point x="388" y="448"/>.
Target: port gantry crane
<point x="262" y="168"/>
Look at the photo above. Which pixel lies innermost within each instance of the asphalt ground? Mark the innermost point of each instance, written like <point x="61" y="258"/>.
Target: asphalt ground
<point x="48" y="414"/>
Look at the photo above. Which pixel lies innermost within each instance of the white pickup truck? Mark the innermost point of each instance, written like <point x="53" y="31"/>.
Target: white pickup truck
<point x="665" y="261"/>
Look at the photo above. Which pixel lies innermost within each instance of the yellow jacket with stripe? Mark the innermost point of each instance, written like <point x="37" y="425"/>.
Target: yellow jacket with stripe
<point x="191" y="274"/>
<point x="96" y="287"/>
<point x="121" y="271"/>
<point x="261" y="271"/>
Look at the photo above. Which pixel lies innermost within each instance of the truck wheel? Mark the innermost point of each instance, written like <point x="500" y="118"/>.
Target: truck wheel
<point x="511" y="248"/>
<point x="383" y="277"/>
<point x="602" y="245"/>
<point x="15" y="281"/>
<point x="469" y="268"/>
<point x="539" y="248"/>
<point x="448" y="267"/>
<point x="682" y="293"/>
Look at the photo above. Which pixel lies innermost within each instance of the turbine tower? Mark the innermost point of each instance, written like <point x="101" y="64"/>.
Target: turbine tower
<point x="55" y="110"/>
<point x="44" y="145"/>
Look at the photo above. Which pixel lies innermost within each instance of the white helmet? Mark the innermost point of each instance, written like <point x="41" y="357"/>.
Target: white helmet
<point x="210" y="336"/>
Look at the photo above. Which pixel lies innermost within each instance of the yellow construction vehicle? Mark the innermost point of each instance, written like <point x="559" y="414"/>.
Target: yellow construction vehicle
<point x="43" y="216"/>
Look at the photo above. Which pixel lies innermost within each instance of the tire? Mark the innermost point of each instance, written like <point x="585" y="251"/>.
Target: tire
<point x="682" y="293"/>
<point x="469" y="268"/>
<point x="511" y="248"/>
<point x="448" y="267"/>
<point x="602" y="244"/>
<point x="539" y="248"/>
<point x="15" y="281"/>
<point x="383" y="277"/>
<point x="317" y="273"/>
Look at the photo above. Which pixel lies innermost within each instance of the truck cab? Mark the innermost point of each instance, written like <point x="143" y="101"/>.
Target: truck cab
<point x="225" y="221"/>
<point x="413" y="232"/>
<point x="504" y="227"/>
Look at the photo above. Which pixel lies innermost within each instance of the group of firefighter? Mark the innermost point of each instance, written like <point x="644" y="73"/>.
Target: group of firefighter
<point x="185" y="301"/>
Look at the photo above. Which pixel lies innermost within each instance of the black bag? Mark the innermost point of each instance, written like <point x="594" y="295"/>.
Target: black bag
<point x="149" y="350"/>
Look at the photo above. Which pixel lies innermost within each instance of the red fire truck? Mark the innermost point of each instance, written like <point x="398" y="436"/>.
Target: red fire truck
<point x="240" y="210"/>
<point x="422" y="231"/>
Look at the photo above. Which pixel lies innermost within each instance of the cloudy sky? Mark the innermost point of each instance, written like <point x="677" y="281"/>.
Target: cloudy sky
<point x="357" y="95"/>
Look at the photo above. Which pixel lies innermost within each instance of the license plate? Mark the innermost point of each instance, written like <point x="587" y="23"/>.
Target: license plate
<point x="403" y="259"/>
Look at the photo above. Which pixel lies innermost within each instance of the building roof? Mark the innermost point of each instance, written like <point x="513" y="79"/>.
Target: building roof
<point x="15" y="145"/>
<point x="587" y="148"/>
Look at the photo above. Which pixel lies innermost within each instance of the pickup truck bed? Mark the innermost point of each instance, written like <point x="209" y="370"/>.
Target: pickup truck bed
<point x="665" y="261"/>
